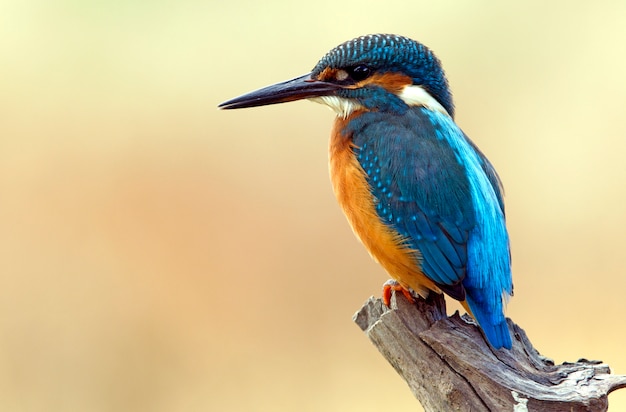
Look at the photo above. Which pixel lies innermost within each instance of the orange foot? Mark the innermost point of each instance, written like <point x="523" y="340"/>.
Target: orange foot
<point x="392" y="285"/>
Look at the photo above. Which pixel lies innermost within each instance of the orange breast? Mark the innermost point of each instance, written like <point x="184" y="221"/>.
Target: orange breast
<point x="384" y="244"/>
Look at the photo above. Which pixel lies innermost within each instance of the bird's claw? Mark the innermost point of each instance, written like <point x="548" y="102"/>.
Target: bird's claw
<point x="393" y="285"/>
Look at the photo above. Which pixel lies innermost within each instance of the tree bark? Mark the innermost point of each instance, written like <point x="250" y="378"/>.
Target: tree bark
<point x="450" y="367"/>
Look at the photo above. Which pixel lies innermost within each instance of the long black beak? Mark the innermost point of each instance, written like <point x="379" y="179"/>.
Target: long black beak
<point x="302" y="87"/>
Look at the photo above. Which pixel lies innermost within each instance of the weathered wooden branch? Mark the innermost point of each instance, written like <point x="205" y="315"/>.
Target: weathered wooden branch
<point x="449" y="366"/>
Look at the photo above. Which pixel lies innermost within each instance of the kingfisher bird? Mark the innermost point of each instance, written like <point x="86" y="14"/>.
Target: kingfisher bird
<point x="417" y="192"/>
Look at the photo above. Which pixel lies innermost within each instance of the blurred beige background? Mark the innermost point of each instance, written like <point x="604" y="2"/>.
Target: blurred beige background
<point x="157" y="254"/>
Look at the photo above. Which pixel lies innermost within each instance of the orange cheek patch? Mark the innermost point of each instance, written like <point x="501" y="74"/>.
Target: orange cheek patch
<point x="392" y="82"/>
<point x="327" y="74"/>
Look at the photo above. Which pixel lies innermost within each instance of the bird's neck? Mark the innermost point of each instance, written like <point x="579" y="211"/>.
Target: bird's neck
<point x="414" y="95"/>
<point x="394" y="100"/>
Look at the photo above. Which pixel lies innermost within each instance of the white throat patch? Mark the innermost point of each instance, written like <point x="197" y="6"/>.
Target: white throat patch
<point x="343" y="107"/>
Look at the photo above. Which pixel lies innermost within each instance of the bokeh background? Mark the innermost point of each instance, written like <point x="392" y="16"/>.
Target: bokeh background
<point x="157" y="254"/>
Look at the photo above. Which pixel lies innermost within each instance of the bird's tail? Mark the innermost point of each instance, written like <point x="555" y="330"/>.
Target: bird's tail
<point x="492" y="322"/>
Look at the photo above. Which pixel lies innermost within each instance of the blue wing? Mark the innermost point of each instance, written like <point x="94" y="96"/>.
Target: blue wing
<point x="437" y="190"/>
<point x="493" y="177"/>
<point x="420" y="188"/>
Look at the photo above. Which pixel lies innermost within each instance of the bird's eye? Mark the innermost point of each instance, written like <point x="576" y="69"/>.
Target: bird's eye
<point x="359" y="72"/>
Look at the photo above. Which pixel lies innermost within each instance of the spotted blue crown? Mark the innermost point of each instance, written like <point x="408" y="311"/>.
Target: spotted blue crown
<point x="392" y="53"/>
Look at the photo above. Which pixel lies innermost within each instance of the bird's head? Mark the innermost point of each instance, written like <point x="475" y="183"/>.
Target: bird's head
<point x="378" y="72"/>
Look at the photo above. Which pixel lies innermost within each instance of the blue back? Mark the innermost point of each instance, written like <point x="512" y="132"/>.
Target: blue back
<point x="435" y="188"/>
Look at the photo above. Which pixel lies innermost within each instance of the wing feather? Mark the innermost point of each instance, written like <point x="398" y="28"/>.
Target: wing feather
<point x="420" y="189"/>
